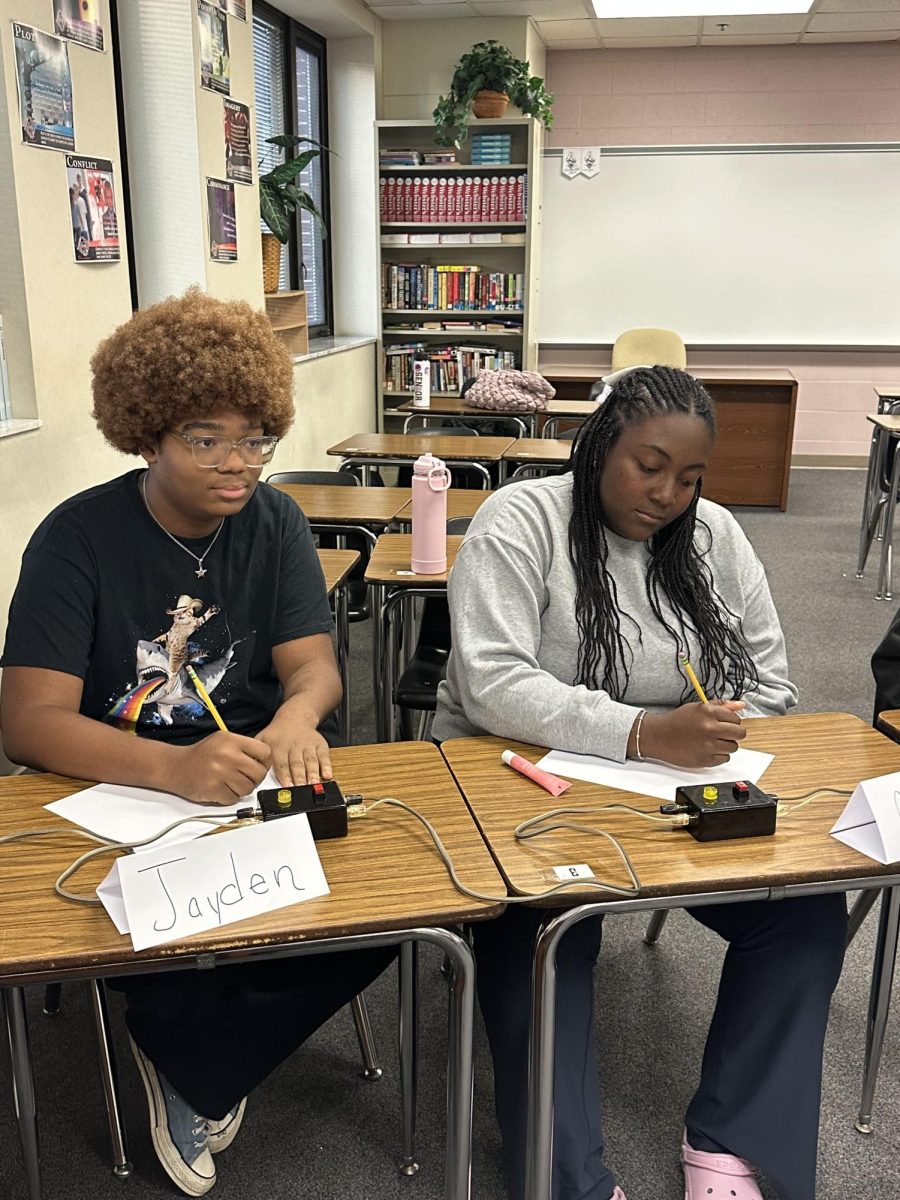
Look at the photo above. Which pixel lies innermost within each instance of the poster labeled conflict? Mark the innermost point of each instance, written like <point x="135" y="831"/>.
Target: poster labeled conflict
<point x="92" y="204"/>
<point x="44" y="82"/>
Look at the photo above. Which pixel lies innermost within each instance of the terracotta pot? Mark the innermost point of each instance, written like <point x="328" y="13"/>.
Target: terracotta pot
<point x="489" y="104"/>
<point x="271" y="257"/>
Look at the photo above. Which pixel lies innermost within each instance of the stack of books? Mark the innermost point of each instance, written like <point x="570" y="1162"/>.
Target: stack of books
<point x="492" y="148"/>
<point x="407" y="286"/>
<point x="433" y="158"/>
<point x="451" y="365"/>
<point x="401" y="157"/>
<point x="500" y="199"/>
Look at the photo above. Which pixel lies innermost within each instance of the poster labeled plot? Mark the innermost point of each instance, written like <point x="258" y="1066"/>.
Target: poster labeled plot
<point x="44" y="82"/>
<point x="215" y="63"/>
<point x="92" y="204"/>
<point x="238" y="164"/>
<point x="222" y="220"/>
<point x="79" y="21"/>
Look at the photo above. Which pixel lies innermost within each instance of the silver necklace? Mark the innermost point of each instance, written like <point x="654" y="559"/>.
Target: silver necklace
<point x="200" y="572"/>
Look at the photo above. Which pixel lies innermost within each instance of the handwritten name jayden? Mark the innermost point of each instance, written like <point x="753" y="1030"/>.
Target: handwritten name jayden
<point x="257" y="883"/>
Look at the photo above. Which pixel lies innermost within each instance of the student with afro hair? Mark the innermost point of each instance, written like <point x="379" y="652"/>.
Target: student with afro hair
<point x="187" y="568"/>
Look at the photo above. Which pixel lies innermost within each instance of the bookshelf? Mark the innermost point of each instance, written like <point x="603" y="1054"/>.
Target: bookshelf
<point x="429" y="214"/>
<point x="287" y="315"/>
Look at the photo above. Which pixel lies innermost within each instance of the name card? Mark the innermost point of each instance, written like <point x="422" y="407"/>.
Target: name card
<point x="177" y="891"/>
<point x="871" y="821"/>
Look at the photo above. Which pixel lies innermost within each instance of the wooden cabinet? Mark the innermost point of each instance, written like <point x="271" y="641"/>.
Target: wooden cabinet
<point x="287" y="313"/>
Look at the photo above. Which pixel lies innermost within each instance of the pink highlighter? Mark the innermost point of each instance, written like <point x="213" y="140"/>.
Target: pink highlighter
<point x="550" y="783"/>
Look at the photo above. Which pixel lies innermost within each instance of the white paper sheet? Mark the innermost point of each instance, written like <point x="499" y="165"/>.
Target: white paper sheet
<point x="653" y="778"/>
<point x="109" y="890"/>
<point x="870" y="823"/>
<point x="174" y="892"/>
<point x="130" y="814"/>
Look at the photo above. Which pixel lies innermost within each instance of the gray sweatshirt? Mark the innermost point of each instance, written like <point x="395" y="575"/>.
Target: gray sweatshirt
<point x="515" y="639"/>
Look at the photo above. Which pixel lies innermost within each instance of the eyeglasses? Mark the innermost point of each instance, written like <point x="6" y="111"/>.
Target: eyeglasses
<point x="211" y="451"/>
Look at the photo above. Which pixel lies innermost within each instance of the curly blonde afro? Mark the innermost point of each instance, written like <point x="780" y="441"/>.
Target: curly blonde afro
<point x="189" y="357"/>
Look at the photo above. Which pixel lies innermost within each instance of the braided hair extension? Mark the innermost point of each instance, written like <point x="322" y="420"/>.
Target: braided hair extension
<point x="678" y="571"/>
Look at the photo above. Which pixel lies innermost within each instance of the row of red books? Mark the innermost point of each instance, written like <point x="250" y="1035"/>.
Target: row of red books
<point x="500" y="198"/>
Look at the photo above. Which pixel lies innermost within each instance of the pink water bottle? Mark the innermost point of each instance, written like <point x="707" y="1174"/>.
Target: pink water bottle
<point x="429" y="515"/>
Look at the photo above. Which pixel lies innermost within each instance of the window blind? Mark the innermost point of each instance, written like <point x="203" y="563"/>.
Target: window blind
<point x="269" y="97"/>
<point x="309" y="124"/>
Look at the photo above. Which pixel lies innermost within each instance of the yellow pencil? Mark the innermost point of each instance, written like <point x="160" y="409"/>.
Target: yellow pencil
<point x="207" y="699"/>
<point x="691" y="676"/>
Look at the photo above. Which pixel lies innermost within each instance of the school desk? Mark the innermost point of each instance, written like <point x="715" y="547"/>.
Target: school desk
<point x="455" y="406"/>
<point x="394" y="584"/>
<point x="388" y="887"/>
<point x="392" y="449"/>
<point x="529" y="454"/>
<point x="818" y="750"/>
<point x="336" y="566"/>
<point x="880" y="499"/>
<point x="755" y="420"/>
<point x="461" y="502"/>
<point x="326" y="504"/>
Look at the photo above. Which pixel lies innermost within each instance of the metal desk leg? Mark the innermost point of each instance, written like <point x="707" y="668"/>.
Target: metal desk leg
<point x="409" y="1004"/>
<point x="342" y="637"/>
<point x="460" y="1073"/>
<point x="873" y="504"/>
<point x="121" y="1166"/>
<point x="879" y="1000"/>
<point x="885" y="572"/>
<point x="23" y="1087"/>
<point x="381" y="667"/>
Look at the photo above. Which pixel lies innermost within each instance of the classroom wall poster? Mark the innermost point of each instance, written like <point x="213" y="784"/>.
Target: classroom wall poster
<point x="79" y="21"/>
<point x="215" y="63"/>
<point x="44" y="81"/>
<point x="222" y="220"/>
<point x="92" y="205"/>
<point x="238" y="163"/>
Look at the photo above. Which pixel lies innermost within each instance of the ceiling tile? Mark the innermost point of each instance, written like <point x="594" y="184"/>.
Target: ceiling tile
<point x="639" y="27"/>
<point x="829" y="6"/>
<point x="538" y="10"/>
<point x="568" y="29"/>
<point x="854" y="22"/>
<point x="795" y="23"/>
<point x="625" y="43"/>
<point x="562" y="44"/>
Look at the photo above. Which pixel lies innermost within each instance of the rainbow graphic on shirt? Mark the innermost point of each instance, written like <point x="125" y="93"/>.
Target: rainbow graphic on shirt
<point x="126" y="710"/>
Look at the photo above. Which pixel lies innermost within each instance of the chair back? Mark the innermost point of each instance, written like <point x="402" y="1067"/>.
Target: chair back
<point x="650" y="347"/>
<point x="338" y="478"/>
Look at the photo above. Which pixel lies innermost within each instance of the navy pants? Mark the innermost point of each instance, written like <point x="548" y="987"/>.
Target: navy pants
<point x="760" y="1084"/>
<point x="216" y="1034"/>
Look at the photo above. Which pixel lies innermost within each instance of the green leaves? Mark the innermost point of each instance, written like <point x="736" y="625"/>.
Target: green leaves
<point x="279" y="194"/>
<point x="488" y="66"/>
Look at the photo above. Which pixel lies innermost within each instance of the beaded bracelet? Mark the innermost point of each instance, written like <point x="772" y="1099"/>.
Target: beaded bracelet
<point x="637" y="735"/>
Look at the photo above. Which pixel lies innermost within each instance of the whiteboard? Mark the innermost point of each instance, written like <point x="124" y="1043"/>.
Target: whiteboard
<point x="778" y="248"/>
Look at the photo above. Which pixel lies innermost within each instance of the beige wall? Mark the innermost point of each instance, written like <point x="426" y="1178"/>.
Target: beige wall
<point x="69" y="306"/>
<point x="335" y="398"/>
<point x="418" y="58"/>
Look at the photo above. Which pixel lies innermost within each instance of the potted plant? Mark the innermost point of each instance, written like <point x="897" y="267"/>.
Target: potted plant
<point x="280" y="197"/>
<point x="485" y="80"/>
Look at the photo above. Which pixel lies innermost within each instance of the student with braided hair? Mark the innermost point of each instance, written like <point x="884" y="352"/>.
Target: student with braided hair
<point x="572" y="601"/>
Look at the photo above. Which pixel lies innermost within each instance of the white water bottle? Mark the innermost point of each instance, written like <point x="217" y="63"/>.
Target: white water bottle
<point x="429" y="515"/>
<point x="421" y="379"/>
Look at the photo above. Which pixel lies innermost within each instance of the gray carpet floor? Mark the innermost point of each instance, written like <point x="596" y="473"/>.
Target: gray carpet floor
<point x="317" y="1131"/>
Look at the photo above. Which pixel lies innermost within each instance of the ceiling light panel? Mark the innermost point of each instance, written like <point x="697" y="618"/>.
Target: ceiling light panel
<point x="697" y="8"/>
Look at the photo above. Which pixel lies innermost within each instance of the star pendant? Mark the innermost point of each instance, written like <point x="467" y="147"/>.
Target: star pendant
<point x="200" y="572"/>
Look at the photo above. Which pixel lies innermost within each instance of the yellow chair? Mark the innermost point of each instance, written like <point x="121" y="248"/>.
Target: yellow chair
<point x="648" y="347"/>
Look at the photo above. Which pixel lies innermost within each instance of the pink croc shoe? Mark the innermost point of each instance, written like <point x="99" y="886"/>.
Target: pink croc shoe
<point x="717" y="1176"/>
<point x="618" y="1194"/>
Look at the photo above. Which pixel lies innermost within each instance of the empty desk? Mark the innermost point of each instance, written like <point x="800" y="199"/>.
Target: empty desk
<point x="336" y="566"/>
<point x="397" y="449"/>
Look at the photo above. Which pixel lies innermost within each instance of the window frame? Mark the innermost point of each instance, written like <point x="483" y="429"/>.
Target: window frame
<point x="296" y="36"/>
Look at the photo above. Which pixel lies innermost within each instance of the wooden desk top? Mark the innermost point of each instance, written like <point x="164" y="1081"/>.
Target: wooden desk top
<point x="385" y="875"/>
<point x="336" y="566"/>
<point x="323" y="504"/>
<point x="461" y="502"/>
<point x="889" y="722"/>
<point x="390" y="561"/>
<point x="890" y="424"/>
<point x="886" y="391"/>
<point x="821" y="749"/>
<point x="453" y="406"/>
<point x="551" y="450"/>
<point x="703" y="374"/>
<point x="411" y="445"/>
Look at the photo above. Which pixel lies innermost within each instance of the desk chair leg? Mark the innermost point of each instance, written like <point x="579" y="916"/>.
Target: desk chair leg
<point x="23" y="1087"/>
<point x="862" y="906"/>
<point x="879" y="1000"/>
<point x="367" y="1048"/>
<point x="52" y="996"/>
<point x="655" y="926"/>
<point x="426" y="720"/>
<point x="121" y="1166"/>
<point x="884" y="575"/>
<point x="409" y="1009"/>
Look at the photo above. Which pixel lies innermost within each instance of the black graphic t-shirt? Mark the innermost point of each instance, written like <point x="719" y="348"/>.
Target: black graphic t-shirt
<point x="105" y="595"/>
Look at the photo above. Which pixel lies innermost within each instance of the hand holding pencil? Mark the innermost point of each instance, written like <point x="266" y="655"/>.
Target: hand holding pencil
<point x="694" y="735"/>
